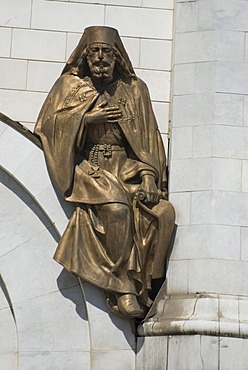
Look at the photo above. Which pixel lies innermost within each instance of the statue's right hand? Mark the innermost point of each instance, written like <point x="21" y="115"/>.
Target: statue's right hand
<point x="103" y="114"/>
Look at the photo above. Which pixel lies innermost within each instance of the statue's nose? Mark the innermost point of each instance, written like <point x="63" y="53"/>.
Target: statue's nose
<point x="100" y="54"/>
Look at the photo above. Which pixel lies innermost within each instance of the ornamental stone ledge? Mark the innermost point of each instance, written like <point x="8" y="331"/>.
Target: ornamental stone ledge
<point x="200" y="313"/>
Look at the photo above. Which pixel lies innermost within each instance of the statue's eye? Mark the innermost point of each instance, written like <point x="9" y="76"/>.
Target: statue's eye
<point x="106" y="50"/>
<point x="95" y="50"/>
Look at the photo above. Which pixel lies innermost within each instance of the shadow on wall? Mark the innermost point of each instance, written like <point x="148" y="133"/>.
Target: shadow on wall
<point x="90" y="305"/>
<point x="69" y="287"/>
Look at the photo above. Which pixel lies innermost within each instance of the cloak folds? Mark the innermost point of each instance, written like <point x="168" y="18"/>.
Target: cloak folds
<point x="83" y="248"/>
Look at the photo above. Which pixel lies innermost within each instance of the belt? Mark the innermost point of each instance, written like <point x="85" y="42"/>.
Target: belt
<point x="107" y="150"/>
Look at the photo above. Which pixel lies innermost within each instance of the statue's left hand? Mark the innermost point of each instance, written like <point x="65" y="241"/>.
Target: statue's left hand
<point x="149" y="188"/>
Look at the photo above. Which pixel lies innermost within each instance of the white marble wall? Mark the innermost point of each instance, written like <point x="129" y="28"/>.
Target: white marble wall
<point x="207" y="275"/>
<point x="55" y="322"/>
<point x="38" y="36"/>
<point x="192" y="352"/>
<point x="208" y="182"/>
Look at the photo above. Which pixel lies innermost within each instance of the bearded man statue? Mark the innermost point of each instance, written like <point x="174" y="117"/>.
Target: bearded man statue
<point x="105" y="154"/>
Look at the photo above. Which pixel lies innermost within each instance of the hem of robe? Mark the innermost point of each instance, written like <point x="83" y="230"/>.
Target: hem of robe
<point x="95" y="282"/>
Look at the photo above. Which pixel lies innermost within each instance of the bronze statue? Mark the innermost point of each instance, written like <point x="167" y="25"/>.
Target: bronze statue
<point x="104" y="152"/>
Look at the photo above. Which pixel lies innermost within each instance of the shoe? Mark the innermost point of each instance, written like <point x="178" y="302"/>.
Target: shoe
<point x="129" y="306"/>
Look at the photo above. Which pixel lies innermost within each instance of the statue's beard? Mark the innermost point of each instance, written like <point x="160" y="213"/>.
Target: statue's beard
<point x="101" y="70"/>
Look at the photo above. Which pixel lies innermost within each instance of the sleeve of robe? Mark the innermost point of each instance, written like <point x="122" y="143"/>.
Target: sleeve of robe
<point x="58" y="129"/>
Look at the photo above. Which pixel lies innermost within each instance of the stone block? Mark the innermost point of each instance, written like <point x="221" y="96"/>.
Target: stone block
<point x="231" y="276"/>
<point x="245" y="176"/>
<point x="3" y="127"/>
<point x="219" y="207"/>
<point x="192" y="47"/>
<point x="5" y="46"/>
<point x="136" y="3"/>
<point x="233" y="353"/>
<point x="195" y="78"/>
<point x="182" y="204"/>
<point x="162" y="4"/>
<point x="52" y="323"/>
<point x="229" y="109"/>
<point x="203" y="141"/>
<point x="202" y="46"/>
<point x="134" y="22"/>
<point x="242" y="309"/>
<point x="230" y="142"/>
<point x="49" y="360"/>
<point x="12" y="142"/>
<point x="42" y="75"/>
<point x="223" y="242"/>
<point x="208" y="109"/>
<point x="209" y="15"/>
<point x="11" y="236"/>
<point x="15" y="74"/>
<point x="205" y="309"/>
<point x="132" y="46"/>
<point x="227" y="174"/>
<point x="37" y="270"/>
<point x="113" y="360"/>
<point x="222" y="141"/>
<point x="190" y="174"/>
<point x="158" y="83"/>
<point x="27" y="174"/>
<point x="177" y="277"/>
<point x="16" y="13"/>
<point x="206" y="15"/>
<point x="161" y="111"/>
<point x="181" y="143"/>
<point x="230" y="79"/>
<point x="207" y="241"/>
<point x="71" y="42"/>
<point x="21" y="105"/>
<point x="151" y="353"/>
<point x="245" y="110"/>
<point x="201" y="207"/>
<point x="244" y="243"/>
<point x="8" y="336"/>
<point x="119" y="335"/>
<point x="184" y="76"/>
<point x="155" y="54"/>
<point x="41" y="45"/>
<point x="8" y="361"/>
<point x="29" y="125"/>
<point x="246" y="47"/>
<point x="71" y="17"/>
<point x="193" y="352"/>
<point x="3" y="301"/>
<point x="228" y="312"/>
<point x="186" y="16"/>
<point x="51" y="202"/>
<point x="232" y="15"/>
<point x="230" y="46"/>
<point x="193" y="109"/>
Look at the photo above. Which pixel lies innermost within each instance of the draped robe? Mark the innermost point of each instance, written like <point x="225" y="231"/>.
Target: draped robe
<point x="62" y="128"/>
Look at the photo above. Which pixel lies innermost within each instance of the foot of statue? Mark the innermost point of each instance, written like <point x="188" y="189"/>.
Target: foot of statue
<point x="129" y="306"/>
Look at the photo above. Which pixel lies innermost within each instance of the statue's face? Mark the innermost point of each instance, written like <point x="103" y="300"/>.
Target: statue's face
<point x="101" y="62"/>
